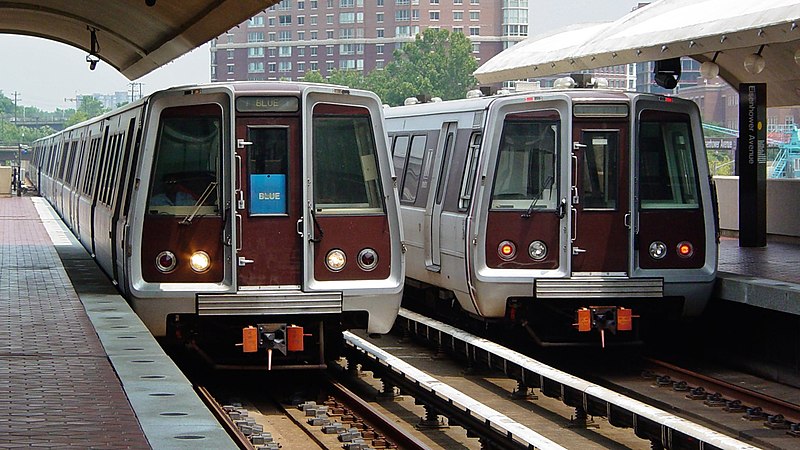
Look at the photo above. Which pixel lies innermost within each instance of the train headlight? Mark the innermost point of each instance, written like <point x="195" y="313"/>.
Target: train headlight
<point x="685" y="249"/>
<point x="335" y="260"/>
<point x="199" y="261"/>
<point x="537" y="250"/>
<point x="367" y="259"/>
<point x="658" y="250"/>
<point x="166" y="261"/>
<point x="507" y="250"/>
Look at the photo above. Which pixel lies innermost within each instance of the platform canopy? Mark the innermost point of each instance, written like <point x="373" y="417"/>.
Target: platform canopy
<point x="134" y="36"/>
<point x="726" y="31"/>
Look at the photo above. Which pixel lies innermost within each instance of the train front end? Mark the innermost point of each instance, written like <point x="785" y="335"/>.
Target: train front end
<point x="270" y="222"/>
<point x="598" y="219"/>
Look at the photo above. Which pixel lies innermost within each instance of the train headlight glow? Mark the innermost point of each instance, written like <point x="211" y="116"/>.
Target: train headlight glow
<point x="166" y="261"/>
<point x="367" y="259"/>
<point x="199" y="261"/>
<point x="658" y="250"/>
<point x="537" y="250"/>
<point x="507" y="250"/>
<point x="685" y="249"/>
<point x="335" y="260"/>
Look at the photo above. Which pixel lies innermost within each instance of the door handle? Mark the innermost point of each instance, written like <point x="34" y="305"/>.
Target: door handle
<point x="300" y="227"/>
<point x="244" y="261"/>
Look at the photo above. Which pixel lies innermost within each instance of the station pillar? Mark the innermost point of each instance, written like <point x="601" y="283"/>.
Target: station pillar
<point x="751" y="164"/>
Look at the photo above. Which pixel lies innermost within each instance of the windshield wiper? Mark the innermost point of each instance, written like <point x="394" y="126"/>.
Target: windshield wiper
<point x="206" y="193"/>
<point x="549" y="179"/>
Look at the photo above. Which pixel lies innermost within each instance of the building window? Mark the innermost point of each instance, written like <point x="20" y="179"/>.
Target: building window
<point x="379" y="64"/>
<point x="272" y="37"/>
<point x="272" y="67"/>
<point x="434" y="2"/>
<point x="285" y="21"/>
<point x="329" y="50"/>
<point x="313" y="51"/>
<point x="458" y="29"/>
<point x="285" y="66"/>
<point x="284" y="36"/>
<point x="301" y="35"/>
<point x="271" y="21"/>
<point x="301" y="67"/>
<point x="458" y="15"/>
<point x="379" y="32"/>
<point x="285" y="51"/>
<point x="301" y="20"/>
<point x="314" y="66"/>
<point x="379" y="17"/>
<point x="255" y="52"/>
<point x="379" y="49"/>
<point x="271" y="52"/>
<point x="313" y="20"/>
<point x="301" y="51"/>
<point x="230" y="68"/>
<point x="230" y="53"/>
<point x="346" y="3"/>
<point x="347" y="17"/>
<point x="313" y="35"/>
<point x="285" y="5"/>
<point x="255" y="67"/>
<point x="474" y="31"/>
<point x="301" y="5"/>
<point x="346" y="33"/>
<point x="257" y="21"/>
<point x="329" y="34"/>
<point x="474" y="15"/>
<point x="415" y="15"/>
<point x="329" y="66"/>
<point x="402" y="15"/>
<point x="313" y="4"/>
<point x="255" y="36"/>
<point x="329" y="19"/>
<point x="476" y="47"/>
<point x="434" y="15"/>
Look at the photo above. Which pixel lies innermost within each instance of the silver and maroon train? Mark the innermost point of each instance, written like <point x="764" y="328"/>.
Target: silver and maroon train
<point x="259" y="214"/>
<point x="569" y="212"/>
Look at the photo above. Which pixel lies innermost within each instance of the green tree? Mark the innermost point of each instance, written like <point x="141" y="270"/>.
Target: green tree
<point x="89" y="107"/>
<point x="312" y="76"/>
<point x="438" y="63"/>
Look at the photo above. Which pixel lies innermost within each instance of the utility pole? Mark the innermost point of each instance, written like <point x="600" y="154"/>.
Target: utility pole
<point x="133" y="90"/>
<point x="18" y="181"/>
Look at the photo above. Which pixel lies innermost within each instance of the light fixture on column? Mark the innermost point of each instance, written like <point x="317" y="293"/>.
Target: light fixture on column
<point x="754" y="62"/>
<point x="710" y="69"/>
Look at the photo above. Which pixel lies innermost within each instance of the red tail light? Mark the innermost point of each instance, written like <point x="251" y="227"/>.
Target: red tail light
<point x="685" y="249"/>
<point x="507" y="250"/>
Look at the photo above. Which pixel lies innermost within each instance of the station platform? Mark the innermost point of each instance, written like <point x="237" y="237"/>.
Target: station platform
<point x="78" y="369"/>
<point x="765" y="277"/>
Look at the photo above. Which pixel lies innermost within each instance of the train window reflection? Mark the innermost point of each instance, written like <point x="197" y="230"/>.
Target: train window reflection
<point x="346" y="178"/>
<point x="526" y="176"/>
<point x="187" y="158"/>
<point x="666" y="165"/>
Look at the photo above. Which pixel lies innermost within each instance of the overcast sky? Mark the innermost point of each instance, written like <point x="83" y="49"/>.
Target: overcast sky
<point x="45" y="74"/>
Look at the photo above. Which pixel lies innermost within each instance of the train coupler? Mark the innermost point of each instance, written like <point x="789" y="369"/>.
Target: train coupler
<point x="271" y="336"/>
<point x="604" y="318"/>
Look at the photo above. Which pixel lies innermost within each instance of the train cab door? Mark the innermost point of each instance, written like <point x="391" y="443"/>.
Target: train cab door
<point x="435" y="203"/>
<point x="268" y="202"/>
<point x="600" y="198"/>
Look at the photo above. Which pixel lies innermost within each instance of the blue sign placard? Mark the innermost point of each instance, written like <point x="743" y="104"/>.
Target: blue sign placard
<point x="268" y="194"/>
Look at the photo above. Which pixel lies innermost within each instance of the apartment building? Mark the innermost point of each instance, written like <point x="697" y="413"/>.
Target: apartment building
<point x="296" y="36"/>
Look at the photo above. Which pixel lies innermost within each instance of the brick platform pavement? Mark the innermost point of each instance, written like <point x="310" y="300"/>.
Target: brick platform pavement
<point x="57" y="386"/>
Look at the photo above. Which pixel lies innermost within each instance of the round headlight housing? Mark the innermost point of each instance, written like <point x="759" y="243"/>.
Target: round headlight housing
<point x="166" y="261"/>
<point x="367" y="259"/>
<point x="537" y="250"/>
<point x="507" y="250"/>
<point x="335" y="260"/>
<point x="685" y="249"/>
<point x="200" y="261"/>
<point x="658" y="250"/>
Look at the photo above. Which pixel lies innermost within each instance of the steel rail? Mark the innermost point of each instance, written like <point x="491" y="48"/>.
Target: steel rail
<point x="479" y="419"/>
<point x="648" y="422"/>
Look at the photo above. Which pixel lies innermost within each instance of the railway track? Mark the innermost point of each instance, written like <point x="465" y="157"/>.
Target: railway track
<point x="479" y="396"/>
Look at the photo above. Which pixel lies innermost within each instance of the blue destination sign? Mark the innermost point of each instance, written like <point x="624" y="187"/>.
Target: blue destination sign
<point x="268" y="194"/>
<point x="267" y="104"/>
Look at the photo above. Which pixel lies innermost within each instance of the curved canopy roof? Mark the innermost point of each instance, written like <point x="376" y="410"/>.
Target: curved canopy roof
<point x="131" y="36"/>
<point x="730" y="29"/>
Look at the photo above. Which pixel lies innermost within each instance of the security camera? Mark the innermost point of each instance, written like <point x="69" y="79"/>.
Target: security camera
<point x="92" y="60"/>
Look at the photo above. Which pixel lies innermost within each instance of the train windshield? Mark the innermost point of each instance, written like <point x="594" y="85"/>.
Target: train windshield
<point x="187" y="159"/>
<point x="667" y="175"/>
<point x="346" y="179"/>
<point x="526" y="176"/>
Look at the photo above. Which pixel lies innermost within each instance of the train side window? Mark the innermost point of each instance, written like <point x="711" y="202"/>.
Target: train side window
<point x="470" y="169"/>
<point x="399" y="154"/>
<point x="188" y="151"/>
<point x="346" y="177"/>
<point x="667" y="176"/>
<point x="413" y="170"/>
<point x="526" y="176"/>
